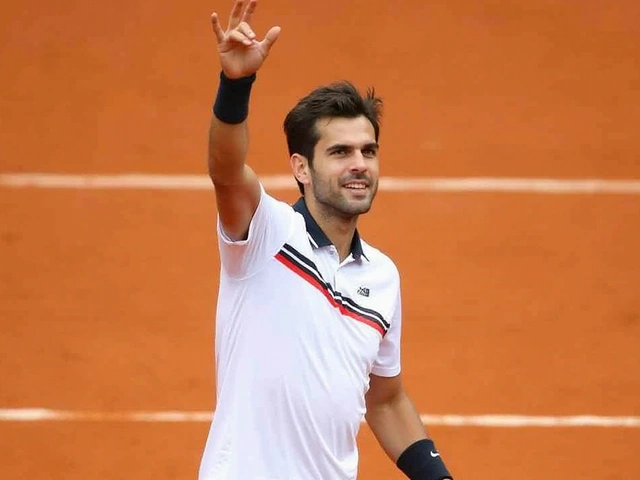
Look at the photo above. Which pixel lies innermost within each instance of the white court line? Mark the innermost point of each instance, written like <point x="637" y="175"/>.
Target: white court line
<point x="177" y="416"/>
<point x="286" y="182"/>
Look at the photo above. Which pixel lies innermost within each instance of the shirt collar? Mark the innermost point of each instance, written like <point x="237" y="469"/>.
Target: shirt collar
<point x="318" y="237"/>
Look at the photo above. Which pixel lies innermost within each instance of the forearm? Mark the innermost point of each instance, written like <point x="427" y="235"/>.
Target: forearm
<point x="395" y="424"/>
<point x="228" y="131"/>
<point x="228" y="147"/>
<point x="401" y="434"/>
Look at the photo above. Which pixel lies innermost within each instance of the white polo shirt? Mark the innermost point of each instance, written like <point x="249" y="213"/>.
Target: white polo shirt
<point x="297" y="335"/>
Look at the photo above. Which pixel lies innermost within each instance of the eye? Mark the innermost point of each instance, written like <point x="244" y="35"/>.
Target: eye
<point x="369" y="152"/>
<point x="339" y="152"/>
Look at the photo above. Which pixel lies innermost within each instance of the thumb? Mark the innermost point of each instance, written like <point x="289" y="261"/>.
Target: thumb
<point x="270" y="38"/>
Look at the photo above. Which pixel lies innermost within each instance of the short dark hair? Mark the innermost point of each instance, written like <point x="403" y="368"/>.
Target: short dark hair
<point x="338" y="99"/>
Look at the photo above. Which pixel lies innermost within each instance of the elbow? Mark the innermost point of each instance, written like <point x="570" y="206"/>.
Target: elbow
<point x="219" y="172"/>
<point x="212" y="168"/>
<point x="224" y="174"/>
<point x="225" y="167"/>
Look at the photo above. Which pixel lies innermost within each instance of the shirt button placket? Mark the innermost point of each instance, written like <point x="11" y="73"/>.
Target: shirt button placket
<point x="335" y="265"/>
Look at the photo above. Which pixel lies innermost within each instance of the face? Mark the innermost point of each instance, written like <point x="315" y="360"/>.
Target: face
<point x="343" y="178"/>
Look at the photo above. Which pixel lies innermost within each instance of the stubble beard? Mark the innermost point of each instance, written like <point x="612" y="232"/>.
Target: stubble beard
<point x="334" y="202"/>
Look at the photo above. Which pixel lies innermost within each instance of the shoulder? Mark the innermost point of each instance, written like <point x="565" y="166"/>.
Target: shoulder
<point x="273" y="207"/>
<point x="380" y="260"/>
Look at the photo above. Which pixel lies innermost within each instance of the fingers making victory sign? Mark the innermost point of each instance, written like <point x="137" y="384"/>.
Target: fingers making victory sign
<point x="241" y="53"/>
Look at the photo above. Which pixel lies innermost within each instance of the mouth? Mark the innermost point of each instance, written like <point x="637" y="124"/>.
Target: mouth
<point x="356" y="185"/>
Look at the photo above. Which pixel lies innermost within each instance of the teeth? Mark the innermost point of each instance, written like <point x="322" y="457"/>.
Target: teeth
<point x="356" y="186"/>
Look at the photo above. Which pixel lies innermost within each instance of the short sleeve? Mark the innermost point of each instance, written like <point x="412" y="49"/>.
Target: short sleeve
<point x="269" y="229"/>
<point x="387" y="363"/>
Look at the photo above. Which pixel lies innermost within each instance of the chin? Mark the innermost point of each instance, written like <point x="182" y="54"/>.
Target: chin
<point x="357" y="207"/>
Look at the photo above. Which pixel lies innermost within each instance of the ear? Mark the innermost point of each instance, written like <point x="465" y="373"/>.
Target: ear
<point x="300" y="168"/>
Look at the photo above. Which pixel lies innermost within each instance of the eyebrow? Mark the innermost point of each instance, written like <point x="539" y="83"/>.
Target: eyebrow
<point x="344" y="146"/>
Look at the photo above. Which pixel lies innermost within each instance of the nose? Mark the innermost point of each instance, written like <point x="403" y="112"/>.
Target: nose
<point x="358" y="163"/>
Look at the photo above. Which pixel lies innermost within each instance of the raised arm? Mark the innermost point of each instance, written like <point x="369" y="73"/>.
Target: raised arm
<point x="241" y="55"/>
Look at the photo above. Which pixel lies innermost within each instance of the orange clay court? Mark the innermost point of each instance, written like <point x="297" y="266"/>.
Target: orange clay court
<point x="517" y="302"/>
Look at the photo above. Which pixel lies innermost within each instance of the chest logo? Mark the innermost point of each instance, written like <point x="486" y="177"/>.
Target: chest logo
<point x="364" y="291"/>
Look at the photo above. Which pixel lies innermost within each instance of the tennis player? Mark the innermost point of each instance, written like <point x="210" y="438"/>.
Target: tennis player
<point x="309" y="317"/>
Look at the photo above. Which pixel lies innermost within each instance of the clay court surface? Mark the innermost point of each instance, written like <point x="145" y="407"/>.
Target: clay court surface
<point x="516" y="303"/>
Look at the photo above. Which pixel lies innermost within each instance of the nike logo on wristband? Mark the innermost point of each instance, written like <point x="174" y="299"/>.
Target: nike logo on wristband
<point x="434" y="454"/>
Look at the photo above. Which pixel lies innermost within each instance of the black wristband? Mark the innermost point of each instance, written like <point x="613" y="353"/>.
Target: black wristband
<point x="421" y="461"/>
<point x="232" y="101"/>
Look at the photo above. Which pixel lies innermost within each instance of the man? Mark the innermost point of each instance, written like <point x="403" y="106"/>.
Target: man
<point x="309" y="315"/>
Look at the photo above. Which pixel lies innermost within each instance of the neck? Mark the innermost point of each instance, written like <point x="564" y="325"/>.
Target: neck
<point x="339" y="230"/>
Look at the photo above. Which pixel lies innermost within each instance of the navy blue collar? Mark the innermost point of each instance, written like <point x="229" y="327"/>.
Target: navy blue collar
<point x="319" y="237"/>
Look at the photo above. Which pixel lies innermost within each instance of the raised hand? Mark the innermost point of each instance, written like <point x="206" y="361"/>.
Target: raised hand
<point x="241" y="54"/>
